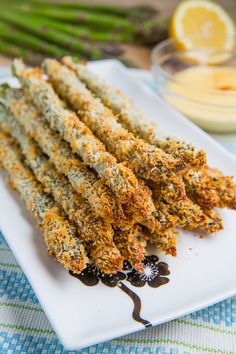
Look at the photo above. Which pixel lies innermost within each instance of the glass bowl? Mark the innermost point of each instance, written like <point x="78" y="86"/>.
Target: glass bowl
<point x="205" y="93"/>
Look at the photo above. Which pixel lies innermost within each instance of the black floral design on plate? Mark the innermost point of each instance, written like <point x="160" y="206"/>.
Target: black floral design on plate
<point x="91" y="276"/>
<point x="154" y="274"/>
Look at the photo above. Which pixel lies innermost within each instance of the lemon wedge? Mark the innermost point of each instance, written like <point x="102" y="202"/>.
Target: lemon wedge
<point x="199" y="24"/>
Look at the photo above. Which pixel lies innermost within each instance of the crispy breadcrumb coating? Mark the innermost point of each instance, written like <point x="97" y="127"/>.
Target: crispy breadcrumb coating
<point x="224" y="186"/>
<point x="82" y="179"/>
<point x="164" y="241"/>
<point x="61" y="241"/>
<point x="147" y="161"/>
<point x="183" y="212"/>
<point x="208" y="192"/>
<point x="189" y="214"/>
<point x="186" y="214"/>
<point x="134" y="120"/>
<point x="142" y="190"/>
<point x="212" y="224"/>
<point x="94" y="230"/>
<point x="200" y="189"/>
<point x="59" y="235"/>
<point x="131" y="245"/>
<point x="118" y="177"/>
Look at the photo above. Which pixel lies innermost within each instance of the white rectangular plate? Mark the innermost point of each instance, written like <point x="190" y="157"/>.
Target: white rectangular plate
<point x="203" y="273"/>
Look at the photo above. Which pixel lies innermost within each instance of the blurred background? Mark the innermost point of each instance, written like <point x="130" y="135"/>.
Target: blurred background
<point x="124" y="29"/>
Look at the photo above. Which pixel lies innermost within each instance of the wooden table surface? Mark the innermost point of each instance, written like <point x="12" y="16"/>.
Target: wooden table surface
<point x="140" y="55"/>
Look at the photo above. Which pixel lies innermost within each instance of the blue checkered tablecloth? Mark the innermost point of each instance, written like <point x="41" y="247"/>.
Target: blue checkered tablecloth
<point x="24" y="327"/>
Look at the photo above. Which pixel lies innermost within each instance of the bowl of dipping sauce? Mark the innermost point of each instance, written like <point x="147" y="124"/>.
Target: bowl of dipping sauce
<point x="205" y="93"/>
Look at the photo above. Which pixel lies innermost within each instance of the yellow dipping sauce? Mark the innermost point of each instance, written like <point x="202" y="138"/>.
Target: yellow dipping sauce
<point x="207" y="95"/>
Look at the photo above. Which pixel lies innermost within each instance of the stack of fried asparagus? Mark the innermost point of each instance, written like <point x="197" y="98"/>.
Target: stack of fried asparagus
<point x="100" y="182"/>
<point x="34" y="29"/>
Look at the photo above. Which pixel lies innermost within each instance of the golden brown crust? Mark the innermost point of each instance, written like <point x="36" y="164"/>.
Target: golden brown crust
<point x="117" y="177"/>
<point x="167" y="244"/>
<point x="118" y="208"/>
<point x="147" y="161"/>
<point x="224" y="186"/>
<point x="134" y="120"/>
<point x="82" y="179"/>
<point x="59" y="235"/>
<point x="200" y="189"/>
<point x="213" y="223"/>
<point x="131" y="245"/>
<point x="95" y="232"/>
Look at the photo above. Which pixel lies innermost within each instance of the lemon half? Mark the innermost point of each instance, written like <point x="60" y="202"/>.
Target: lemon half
<point x="198" y="24"/>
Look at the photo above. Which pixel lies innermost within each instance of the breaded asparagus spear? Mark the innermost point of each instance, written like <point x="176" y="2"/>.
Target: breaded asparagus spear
<point x="95" y="231"/>
<point x="224" y="186"/>
<point x="81" y="178"/>
<point x="182" y="213"/>
<point x="186" y="214"/>
<point x="145" y="160"/>
<point x="165" y="241"/>
<point x="212" y="224"/>
<point x="165" y="238"/>
<point x="116" y="176"/>
<point x="197" y="185"/>
<point x="167" y="220"/>
<point x="192" y="217"/>
<point x="134" y="120"/>
<point x="92" y="229"/>
<point x="61" y="240"/>
<point x="59" y="235"/>
<point x="131" y="245"/>
<point x="199" y="188"/>
<point x="189" y="214"/>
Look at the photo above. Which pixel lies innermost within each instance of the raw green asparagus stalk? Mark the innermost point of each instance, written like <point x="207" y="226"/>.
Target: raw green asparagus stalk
<point x="135" y="13"/>
<point x="147" y="32"/>
<point x="39" y="27"/>
<point x="13" y="51"/>
<point x="99" y="16"/>
<point x="89" y="33"/>
<point x="99" y="20"/>
<point x="19" y="37"/>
